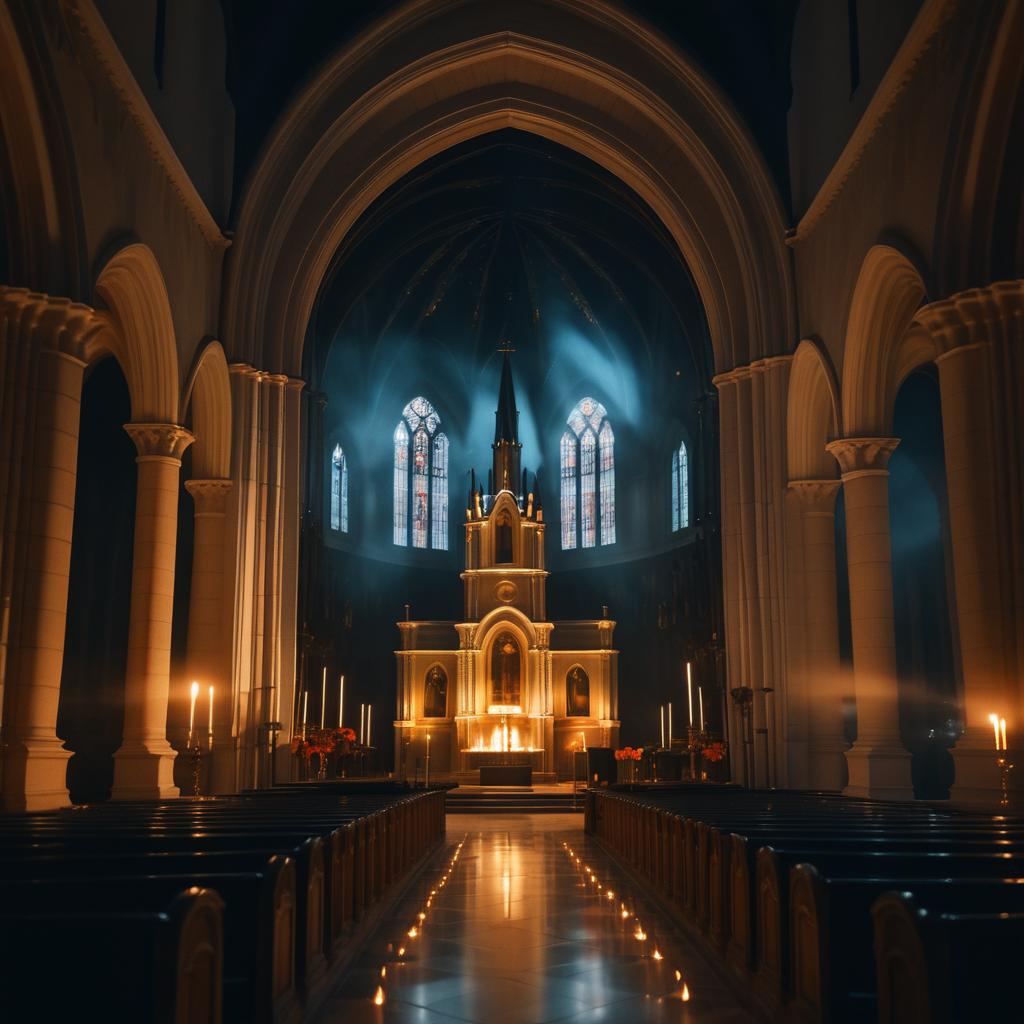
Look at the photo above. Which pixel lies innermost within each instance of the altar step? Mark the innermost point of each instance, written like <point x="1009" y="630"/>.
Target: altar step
<point x="512" y="800"/>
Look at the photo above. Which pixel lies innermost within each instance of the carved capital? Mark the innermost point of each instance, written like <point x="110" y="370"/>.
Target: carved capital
<point x="210" y="496"/>
<point x="49" y="323"/>
<point x="815" y="497"/>
<point x="973" y="316"/>
<point x="863" y="454"/>
<point x="159" y="440"/>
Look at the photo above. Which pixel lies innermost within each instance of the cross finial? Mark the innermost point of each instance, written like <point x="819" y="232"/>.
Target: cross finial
<point x="506" y="346"/>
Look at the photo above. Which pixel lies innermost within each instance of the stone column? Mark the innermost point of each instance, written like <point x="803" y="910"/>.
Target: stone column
<point x="143" y="766"/>
<point x="878" y="765"/>
<point x="207" y="636"/>
<point x="980" y="332"/>
<point x="816" y="504"/>
<point x="35" y="761"/>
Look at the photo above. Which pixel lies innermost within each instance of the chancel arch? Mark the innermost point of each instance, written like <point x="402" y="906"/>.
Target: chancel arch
<point x="304" y="196"/>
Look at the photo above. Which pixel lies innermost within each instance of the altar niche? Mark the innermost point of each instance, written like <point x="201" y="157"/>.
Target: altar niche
<point x="577" y="693"/>
<point x="506" y="671"/>
<point x="435" y="693"/>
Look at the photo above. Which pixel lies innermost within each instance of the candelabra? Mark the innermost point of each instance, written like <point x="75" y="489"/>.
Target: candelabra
<point x="696" y="740"/>
<point x="1005" y="766"/>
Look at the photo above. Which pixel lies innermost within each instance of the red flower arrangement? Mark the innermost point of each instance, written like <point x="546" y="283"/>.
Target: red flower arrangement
<point x="714" y="751"/>
<point x="629" y="754"/>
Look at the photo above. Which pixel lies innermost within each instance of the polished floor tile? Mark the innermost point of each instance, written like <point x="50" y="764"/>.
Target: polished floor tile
<point x="520" y="920"/>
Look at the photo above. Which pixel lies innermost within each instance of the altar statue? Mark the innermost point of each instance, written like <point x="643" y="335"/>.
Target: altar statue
<point x="505" y="672"/>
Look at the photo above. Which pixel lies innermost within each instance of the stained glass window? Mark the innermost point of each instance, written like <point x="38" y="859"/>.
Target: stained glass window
<point x="439" y="491"/>
<point x="421" y="478"/>
<point x="568" y="491"/>
<point x="680" y="488"/>
<point x="339" y="490"/>
<point x="587" y="453"/>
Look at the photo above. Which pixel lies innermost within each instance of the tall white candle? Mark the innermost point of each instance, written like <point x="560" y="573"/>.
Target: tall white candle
<point x="661" y="710"/>
<point x="994" y="719"/>
<point x="192" y="712"/>
<point x="323" y="698"/>
<point x="209" y="731"/>
<point x="700" y="701"/>
<point x="305" y="707"/>
<point x="1002" y="731"/>
<point x="670" y="725"/>
<point x="689" y="690"/>
<point x="341" y="702"/>
<point x="362" y="721"/>
<point x="369" y="725"/>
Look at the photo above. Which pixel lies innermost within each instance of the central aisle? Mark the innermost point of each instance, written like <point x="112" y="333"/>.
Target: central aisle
<point x="515" y="931"/>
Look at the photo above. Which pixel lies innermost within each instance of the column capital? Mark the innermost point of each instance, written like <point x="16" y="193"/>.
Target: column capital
<point x="159" y="440"/>
<point x="862" y="455"/>
<point x="210" y="496"/>
<point x="815" y="497"/>
<point x="969" y="316"/>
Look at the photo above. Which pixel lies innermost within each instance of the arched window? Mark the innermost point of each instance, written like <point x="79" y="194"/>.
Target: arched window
<point x="339" y="490"/>
<point x="680" y="488"/>
<point x="421" y="478"/>
<point x="588" y="477"/>
<point x="577" y="693"/>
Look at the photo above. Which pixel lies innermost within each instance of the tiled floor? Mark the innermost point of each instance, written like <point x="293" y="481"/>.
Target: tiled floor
<point x="505" y="927"/>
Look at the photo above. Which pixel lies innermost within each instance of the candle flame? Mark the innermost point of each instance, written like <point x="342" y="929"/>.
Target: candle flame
<point x="657" y="955"/>
<point x="685" y="995"/>
<point x="412" y="932"/>
<point x="378" y="999"/>
<point x="640" y="935"/>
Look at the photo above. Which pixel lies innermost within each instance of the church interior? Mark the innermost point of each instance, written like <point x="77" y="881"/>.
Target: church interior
<point x="511" y="510"/>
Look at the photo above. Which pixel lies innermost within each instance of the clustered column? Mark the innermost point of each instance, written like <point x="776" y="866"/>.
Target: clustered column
<point x="143" y="766"/>
<point x="878" y="764"/>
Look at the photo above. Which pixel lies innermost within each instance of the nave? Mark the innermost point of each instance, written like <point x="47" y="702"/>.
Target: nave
<point x="522" y="918"/>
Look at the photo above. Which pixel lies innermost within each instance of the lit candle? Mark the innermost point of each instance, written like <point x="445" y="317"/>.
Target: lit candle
<point x="362" y="721"/>
<point x="1002" y="731"/>
<point x="210" y="730"/>
<point x="700" y="700"/>
<point x="670" y="725"/>
<point x="192" y="712"/>
<point x="305" y="707"/>
<point x="994" y="719"/>
<point x="341" y="701"/>
<point x="583" y="737"/>
<point x="661" y="710"/>
<point x="689" y="690"/>
<point x="323" y="698"/>
<point x="369" y="725"/>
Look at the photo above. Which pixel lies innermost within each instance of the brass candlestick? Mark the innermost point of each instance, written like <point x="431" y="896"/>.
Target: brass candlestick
<point x="1005" y="767"/>
<point x="196" y="758"/>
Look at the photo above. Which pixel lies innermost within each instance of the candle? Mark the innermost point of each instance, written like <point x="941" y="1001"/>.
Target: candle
<point x="1002" y="731"/>
<point x="305" y="707"/>
<point x="584" y="739"/>
<point x="192" y="712"/>
<point x="670" y="725"/>
<point x="341" y="701"/>
<point x="661" y="710"/>
<point x="689" y="690"/>
<point x="323" y="698"/>
<point x="362" y="721"/>
<point x="210" y="730"/>
<point x="369" y="725"/>
<point x="700" y="700"/>
<point x="994" y="719"/>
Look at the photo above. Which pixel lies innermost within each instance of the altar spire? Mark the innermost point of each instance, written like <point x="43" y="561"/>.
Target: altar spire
<point x="507" y="447"/>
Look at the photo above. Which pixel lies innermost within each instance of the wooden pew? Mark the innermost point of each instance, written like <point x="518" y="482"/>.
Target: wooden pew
<point x="158" y="966"/>
<point x="935" y="967"/>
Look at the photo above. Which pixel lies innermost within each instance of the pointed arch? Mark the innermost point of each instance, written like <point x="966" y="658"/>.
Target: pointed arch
<point x="812" y="414"/>
<point x="208" y="392"/>
<point x="435" y="692"/>
<point x="577" y="692"/>
<point x="680" y="488"/>
<point x="420" y="478"/>
<point x="883" y="345"/>
<point x="339" y="490"/>
<point x="587" y="475"/>
<point x="141" y="334"/>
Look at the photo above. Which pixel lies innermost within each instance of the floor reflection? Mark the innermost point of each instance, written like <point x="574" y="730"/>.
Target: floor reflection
<point x="522" y="921"/>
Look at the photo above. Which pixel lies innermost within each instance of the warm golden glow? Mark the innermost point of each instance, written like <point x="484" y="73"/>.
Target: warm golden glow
<point x="413" y="932"/>
<point x="685" y="994"/>
<point x="378" y="999"/>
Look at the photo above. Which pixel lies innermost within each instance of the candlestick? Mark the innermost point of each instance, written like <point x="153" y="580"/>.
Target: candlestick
<point x="209" y="732"/>
<point x="192" y="712"/>
<point x="689" y="691"/>
<point x="341" y="701"/>
<point x="661" y="710"/>
<point x="700" y="699"/>
<point x="323" y="698"/>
